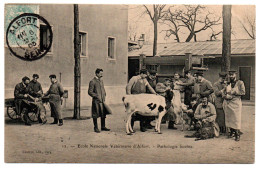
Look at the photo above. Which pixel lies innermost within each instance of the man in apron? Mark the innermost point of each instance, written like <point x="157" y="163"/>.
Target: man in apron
<point x="137" y="85"/>
<point x="232" y="104"/>
<point x="55" y="94"/>
<point x="218" y="91"/>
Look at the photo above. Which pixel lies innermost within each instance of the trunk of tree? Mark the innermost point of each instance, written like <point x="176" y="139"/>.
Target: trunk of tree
<point x="177" y="38"/>
<point x="226" y="42"/>
<point x="155" y="38"/>
<point x="77" y="64"/>
<point x="189" y="37"/>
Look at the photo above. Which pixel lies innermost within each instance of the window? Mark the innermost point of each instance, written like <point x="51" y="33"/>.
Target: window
<point x="111" y="48"/>
<point x="83" y="44"/>
<point x="44" y="38"/>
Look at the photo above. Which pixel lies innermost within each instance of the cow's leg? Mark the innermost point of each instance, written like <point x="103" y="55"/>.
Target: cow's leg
<point x="130" y="126"/>
<point x="128" y="123"/>
<point x="156" y="125"/>
<point x="161" y="114"/>
<point x="183" y="121"/>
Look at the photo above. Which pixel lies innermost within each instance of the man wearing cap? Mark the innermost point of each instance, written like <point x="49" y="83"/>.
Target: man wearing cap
<point x="55" y="94"/>
<point x="35" y="90"/>
<point x="98" y="93"/>
<point x="137" y="85"/>
<point x="203" y="87"/>
<point x="21" y="93"/>
<point x="188" y="86"/>
<point x="218" y="91"/>
<point x="170" y="116"/>
<point x="232" y="104"/>
<point x="206" y="114"/>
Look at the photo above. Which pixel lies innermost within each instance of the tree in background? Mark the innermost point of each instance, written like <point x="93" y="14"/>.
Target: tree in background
<point x="248" y="24"/>
<point x="156" y="13"/>
<point x="226" y="39"/>
<point x="191" y="18"/>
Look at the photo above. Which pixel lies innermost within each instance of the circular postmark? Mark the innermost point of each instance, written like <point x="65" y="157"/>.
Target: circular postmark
<point x="29" y="36"/>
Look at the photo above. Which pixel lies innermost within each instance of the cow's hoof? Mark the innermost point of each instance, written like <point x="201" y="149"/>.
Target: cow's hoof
<point x="133" y="131"/>
<point x="159" y="132"/>
<point x="155" y="130"/>
<point x="129" y="134"/>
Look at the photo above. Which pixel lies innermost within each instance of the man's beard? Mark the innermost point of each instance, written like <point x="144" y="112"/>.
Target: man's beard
<point x="232" y="79"/>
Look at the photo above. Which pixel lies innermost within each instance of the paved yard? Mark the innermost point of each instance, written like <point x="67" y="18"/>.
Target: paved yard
<point x="75" y="142"/>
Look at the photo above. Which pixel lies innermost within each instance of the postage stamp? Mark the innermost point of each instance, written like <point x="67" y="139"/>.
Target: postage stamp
<point x="23" y="36"/>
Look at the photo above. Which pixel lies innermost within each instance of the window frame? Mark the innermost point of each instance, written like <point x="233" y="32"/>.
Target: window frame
<point x="52" y="45"/>
<point x="86" y="45"/>
<point x="111" y="37"/>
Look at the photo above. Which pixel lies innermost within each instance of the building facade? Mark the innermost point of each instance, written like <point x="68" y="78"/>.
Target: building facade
<point x="103" y="36"/>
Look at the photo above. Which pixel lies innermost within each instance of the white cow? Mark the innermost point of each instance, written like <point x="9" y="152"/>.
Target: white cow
<point x="145" y="105"/>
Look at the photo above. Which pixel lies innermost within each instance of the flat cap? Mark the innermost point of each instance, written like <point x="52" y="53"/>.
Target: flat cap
<point x="222" y="74"/>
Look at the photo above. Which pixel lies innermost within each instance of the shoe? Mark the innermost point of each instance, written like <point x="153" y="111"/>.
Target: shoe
<point x="143" y="129"/>
<point x="105" y="129"/>
<point x="44" y="122"/>
<point x="28" y="124"/>
<point x="96" y="130"/>
<point x="60" y="122"/>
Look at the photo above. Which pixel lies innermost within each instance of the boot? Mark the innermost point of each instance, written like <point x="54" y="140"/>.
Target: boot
<point x="103" y="124"/>
<point x="171" y="125"/>
<point x="55" y="121"/>
<point x="231" y="134"/>
<point x="95" y="125"/>
<point x="237" y="135"/>
<point x="60" y="122"/>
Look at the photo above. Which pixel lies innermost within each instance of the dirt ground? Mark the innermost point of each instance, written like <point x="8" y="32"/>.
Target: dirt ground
<point x="76" y="142"/>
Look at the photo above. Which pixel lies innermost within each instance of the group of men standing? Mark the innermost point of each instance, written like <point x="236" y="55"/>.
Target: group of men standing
<point x="216" y="107"/>
<point x="213" y="108"/>
<point x="29" y="93"/>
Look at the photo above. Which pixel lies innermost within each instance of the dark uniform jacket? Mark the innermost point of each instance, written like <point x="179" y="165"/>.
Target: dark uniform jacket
<point x="97" y="91"/>
<point x="20" y="90"/>
<point x="34" y="88"/>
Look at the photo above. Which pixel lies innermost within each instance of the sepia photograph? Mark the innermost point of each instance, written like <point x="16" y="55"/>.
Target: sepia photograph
<point x="129" y="83"/>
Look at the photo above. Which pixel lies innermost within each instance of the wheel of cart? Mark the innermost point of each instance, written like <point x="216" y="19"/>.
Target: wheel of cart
<point x="11" y="109"/>
<point x="32" y="110"/>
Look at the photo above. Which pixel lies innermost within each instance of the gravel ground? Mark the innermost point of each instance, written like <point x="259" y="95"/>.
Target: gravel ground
<point x="76" y="142"/>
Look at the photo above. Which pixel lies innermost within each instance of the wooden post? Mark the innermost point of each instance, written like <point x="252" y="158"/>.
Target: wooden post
<point x="77" y="64"/>
<point x="188" y="61"/>
<point x="226" y="40"/>
<point x="141" y="61"/>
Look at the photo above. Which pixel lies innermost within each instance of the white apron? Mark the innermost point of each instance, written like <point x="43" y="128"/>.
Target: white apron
<point x="233" y="110"/>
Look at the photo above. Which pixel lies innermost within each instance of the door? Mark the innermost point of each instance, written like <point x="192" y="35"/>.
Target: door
<point x="245" y="76"/>
<point x="133" y="67"/>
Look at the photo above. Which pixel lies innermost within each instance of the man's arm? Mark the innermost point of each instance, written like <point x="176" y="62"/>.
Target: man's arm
<point x="240" y="90"/>
<point x="197" y="112"/>
<point x="209" y="89"/>
<point x="150" y="87"/>
<point x="91" y="89"/>
<point x="61" y="90"/>
<point x="130" y="84"/>
<point x="217" y="91"/>
<point x="17" y="93"/>
<point x="213" y="115"/>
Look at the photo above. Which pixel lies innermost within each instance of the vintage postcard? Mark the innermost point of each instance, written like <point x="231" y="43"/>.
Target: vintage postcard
<point x="118" y="83"/>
